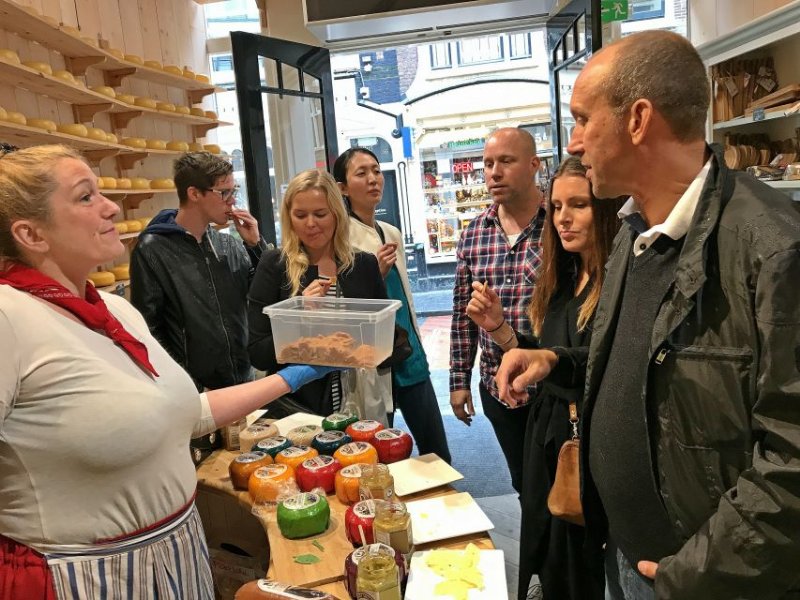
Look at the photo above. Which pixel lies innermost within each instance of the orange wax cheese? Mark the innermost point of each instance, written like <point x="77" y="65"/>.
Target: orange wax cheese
<point x="266" y="482"/>
<point x="295" y="455"/>
<point x="346" y="484"/>
<point x="356" y="452"/>
<point x="245" y="465"/>
<point x="363" y="431"/>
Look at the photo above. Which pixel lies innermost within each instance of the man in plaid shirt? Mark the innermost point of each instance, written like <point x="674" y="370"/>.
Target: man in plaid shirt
<point x="499" y="247"/>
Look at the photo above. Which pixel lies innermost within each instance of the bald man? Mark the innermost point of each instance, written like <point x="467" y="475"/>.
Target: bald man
<point x="691" y="425"/>
<point x="501" y="248"/>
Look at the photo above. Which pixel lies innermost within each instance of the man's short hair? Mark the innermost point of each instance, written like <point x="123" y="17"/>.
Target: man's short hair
<point x="200" y="170"/>
<point x="664" y="68"/>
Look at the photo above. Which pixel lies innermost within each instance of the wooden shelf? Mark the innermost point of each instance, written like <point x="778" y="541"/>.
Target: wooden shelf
<point x="769" y="115"/>
<point x="22" y="135"/>
<point x="123" y="113"/>
<point x="133" y="198"/>
<point x="129" y="159"/>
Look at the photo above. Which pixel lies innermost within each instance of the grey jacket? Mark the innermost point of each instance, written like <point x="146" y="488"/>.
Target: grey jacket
<point x="723" y="389"/>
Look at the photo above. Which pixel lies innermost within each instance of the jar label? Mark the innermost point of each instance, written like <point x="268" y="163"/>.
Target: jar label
<point x="364" y="508"/>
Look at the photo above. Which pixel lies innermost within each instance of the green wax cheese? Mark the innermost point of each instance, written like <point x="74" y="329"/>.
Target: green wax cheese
<point x="303" y="515"/>
<point x="338" y="421"/>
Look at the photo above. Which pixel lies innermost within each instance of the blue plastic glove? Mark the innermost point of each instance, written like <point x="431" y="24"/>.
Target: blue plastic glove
<point x="296" y="376"/>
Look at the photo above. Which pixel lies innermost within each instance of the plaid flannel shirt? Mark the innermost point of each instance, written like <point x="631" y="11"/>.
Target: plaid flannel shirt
<point x="484" y="254"/>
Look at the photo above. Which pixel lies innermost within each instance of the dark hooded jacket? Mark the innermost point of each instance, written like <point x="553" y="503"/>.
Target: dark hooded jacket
<point x="722" y="393"/>
<point x="193" y="296"/>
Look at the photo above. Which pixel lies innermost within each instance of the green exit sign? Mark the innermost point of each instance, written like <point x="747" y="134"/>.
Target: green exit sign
<point x="613" y="10"/>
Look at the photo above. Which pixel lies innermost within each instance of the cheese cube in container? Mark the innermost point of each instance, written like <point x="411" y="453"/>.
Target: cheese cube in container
<point x="338" y="332"/>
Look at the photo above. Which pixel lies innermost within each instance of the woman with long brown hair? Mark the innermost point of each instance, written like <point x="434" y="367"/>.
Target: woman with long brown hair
<point x="578" y="233"/>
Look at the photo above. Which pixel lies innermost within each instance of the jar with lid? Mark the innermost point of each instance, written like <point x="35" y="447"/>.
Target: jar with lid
<point x="376" y="483"/>
<point x="392" y="526"/>
<point x="378" y="576"/>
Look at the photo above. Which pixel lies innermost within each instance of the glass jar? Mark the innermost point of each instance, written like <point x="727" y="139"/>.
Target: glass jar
<point x="378" y="576"/>
<point x="376" y="483"/>
<point x="392" y="526"/>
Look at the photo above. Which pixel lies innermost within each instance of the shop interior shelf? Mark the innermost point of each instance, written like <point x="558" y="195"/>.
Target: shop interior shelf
<point x="122" y="107"/>
<point x="55" y="88"/>
<point x="22" y="135"/>
<point x="769" y="115"/>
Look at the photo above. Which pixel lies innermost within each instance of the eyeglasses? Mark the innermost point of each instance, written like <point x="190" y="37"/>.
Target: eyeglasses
<point x="226" y="194"/>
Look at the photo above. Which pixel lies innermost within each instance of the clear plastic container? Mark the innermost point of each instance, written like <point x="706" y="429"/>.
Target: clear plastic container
<point x="338" y="332"/>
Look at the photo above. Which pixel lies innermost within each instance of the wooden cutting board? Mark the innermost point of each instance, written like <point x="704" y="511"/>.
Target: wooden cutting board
<point x="782" y="96"/>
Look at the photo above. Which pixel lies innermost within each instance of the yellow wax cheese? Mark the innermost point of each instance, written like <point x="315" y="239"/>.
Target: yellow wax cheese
<point x="156" y="144"/>
<point x="178" y="146"/>
<point x="133" y="225"/>
<point x="145" y="102"/>
<point x="104" y="90"/>
<point x="213" y="148"/>
<point x="95" y="133"/>
<point x="134" y="58"/>
<point x="3" y="114"/>
<point x="73" y="129"/>
<point x="9" y="56"/>
<point x="197" y="112"/>
<point x="121" y="227"/>
<point x="162" y="184"/>
<point x="112" y="138"/>
<point x="13" y="116"/>
<point x="173" y="70"/>
<point x="45" y="124"/>
<point x="183" y="110"/>
<point x="165" y="106"/>
<point x="40" y="66"/>
<point x="121" y="272"/>
<point x="135" y="142"/>
<point x="202" y="78"/>
<point x="126" y="98"/>
<point x="116" y="53"/>
<point x="101" y="278"/>
<point x="123" y="183"/>
<point x="64" y="76"/>
<point x="153" y="64"/>
<point x="140" y="183"/>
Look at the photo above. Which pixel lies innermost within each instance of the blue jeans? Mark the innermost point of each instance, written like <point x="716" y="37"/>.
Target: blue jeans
<point x="623" y="581"/>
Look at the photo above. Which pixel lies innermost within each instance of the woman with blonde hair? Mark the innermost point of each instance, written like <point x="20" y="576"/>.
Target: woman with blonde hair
<point x="578" y="232"/>
<point x="316" y="259"/>
<point x="89" y="504"/>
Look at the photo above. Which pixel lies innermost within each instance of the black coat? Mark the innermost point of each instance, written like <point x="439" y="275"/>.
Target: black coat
<point x="271" y="285"/>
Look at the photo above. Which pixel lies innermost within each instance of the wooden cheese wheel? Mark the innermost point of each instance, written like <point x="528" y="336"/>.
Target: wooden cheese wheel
<point x="245" y="465"/>
<point x="202" y="78"/>
<point x="13" y="116"/>
<point x="65" y="76"/>
<point x="195" y="147"/>
<point x="211" y="114"/>
<point x="134" y="58"/>
<point x="45" y="124"/>
<point x="121" y="227"/>
<point x="9" y="56"/>
<point x="123" y="183"/>
<point x="156" y="144"/>
<point x="197" y="112"/>
<point x="75" y="129"/>
<point x="145" y="102"/>
<point x="165" y="106"/>
<point x="101" y="278"/>
<point x="178" y="146"/>
<point x="95" y="133"/>
<point x="162" y="184"/>
<point x="134" y="226"/>
<point x="40" y="66"/>
<point x="126" y="98"/>
<point x="112" y="138"/>
<point x="213" y="148"/>
<point x="116" y="53"/>
<point x="173" y="70"/>
<point x="183" y="110"/>
<point x="104" y="90"/>
<point x="135" y="142"/>
<point x="153" y="64"/>
<point x="121" y="272"/>
<point x="109" y="183"/>
<point x="140" y="183"/>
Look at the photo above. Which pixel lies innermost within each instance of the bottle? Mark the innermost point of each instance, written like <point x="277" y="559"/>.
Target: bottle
<point x="376" y="482"/>
<point x="392" y="526"/>
<point x="378" y="576"/>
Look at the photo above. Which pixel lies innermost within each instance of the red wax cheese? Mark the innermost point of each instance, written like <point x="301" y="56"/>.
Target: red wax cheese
<point x="319" y="471"/>
<point x="392" y="445"/>
<point x="357" y="520"/>
<point x="363" y="431"/>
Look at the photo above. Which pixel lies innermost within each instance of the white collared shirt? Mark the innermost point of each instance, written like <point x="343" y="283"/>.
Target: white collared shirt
<point x="677" y="223"/>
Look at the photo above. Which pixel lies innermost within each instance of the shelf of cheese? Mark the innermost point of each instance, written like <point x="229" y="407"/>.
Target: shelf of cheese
<point x="165" y="115"/>
<point x="24" y="135"/>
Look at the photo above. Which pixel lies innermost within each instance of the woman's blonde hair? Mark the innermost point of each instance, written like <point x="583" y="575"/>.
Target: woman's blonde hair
<point x="293" y="251"/>
<point x="27" y="181"/>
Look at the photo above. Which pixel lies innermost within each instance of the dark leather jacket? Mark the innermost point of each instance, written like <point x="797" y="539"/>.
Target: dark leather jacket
<point x="723" y="393"/>
<point x="194" y="298"/>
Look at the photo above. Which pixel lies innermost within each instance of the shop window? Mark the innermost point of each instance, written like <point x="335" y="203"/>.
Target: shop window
<point x="379" y="147"/>
<point x="519" y="45"/>
<point x="481" y="50"/>
<point x="222" y="63"/>
<point x="441" y="57"/>
<point x="646" y="9"/>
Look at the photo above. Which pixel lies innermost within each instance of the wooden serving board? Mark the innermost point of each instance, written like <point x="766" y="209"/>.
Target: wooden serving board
<point x="782" y="96"/>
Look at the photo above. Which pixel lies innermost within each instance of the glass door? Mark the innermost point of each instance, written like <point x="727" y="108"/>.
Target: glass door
<point x="573" y="33"/>
<point x="285" y="96"/>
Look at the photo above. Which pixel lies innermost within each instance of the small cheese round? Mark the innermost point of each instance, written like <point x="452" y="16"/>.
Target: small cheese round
<point x="210" y="114"/>
<point x="197" y="112"/>
<point x="64" y="76"/>
<point x="295" y="455"/>
<point x="145" y="102"/>
<point x="245" y="465"/>
<point x="126" y="98"/>
<point x="75" y="129"/>
<point x="45" y="124"/>
<point x="165" y="106"/>
<point x="357" y="520"/>
<point x="195" y="147"/>
<point x="318" y="472"/>
<point x="156" y="144"/>
<point x="135" y="142"/>
<point x="13" y="116"/>
<point x="95" y="133"/>
<point x="213" y="148"/>
<point x="9" y="56"/>
<point x="173" y="70"/>
<point x="109" y="183"/>
<point x="346" y="484"/>
<point x="140" y="183"/>
<point x="392" y="445"/>
<point x="162" y="184"/>
<point x="178" y="146"/>
<point x="153" y="64"/>
<point x="116" y="53"/>
<point x="328" y="442"/>
<point x="101" y="278"/>
<point x="134" y="58"/>
<point x="40" y="66"/>
<point x="256" y="432"/>
<point x="121" y="272"/>
<point x="338" y="421"/>
<point x="267" y="482"/>
<point x="112" y="138"/>
<point x="183" y="110"/>
<point x="123" y="183"/>
<point x="202" y="78"/>
<point x="105" y="90"/>
<point x="134" y="225"/>
<point x="303" y="435"/>
<point x="121" y="227"/>
<point x="303" y="515"/>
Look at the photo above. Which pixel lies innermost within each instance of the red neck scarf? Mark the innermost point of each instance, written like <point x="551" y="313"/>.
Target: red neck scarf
<point x="93" y="312"/>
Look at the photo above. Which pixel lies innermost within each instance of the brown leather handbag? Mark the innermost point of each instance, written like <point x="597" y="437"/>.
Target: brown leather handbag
<point x="564" y="499"/>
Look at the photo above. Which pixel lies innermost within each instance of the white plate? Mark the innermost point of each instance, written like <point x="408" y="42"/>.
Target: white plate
<point x="446" y="517"/>
<point x="421" y="473"/>
<point x="286" y="424"/>
<point x="421" y="580"/>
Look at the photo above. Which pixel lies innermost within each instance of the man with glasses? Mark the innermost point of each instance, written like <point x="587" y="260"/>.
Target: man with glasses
<point x="190" y="281"/>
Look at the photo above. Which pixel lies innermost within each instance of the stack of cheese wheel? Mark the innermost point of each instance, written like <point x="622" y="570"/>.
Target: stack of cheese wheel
<point x="356" y="452"/>
<point x="318" y="472"/>
<point x="253" y="434"/>
<point x="303" y="515"/>
<point x="392" y="445"/>
<point x="346" y="484"/>
<point x="303" y="435"/>
<point x="268" y="482"/>
<point x="295" y="455"/>
<point x="364" y="431"/>
<point x="122" y="272"/>
<point x="245" y="465"/>
<point x="273" y="445"/>
<point x="329" y="442"/>
<point x="358" y="522"/>
<point x="102" y="278"/>
<point x="338" y="421"/>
